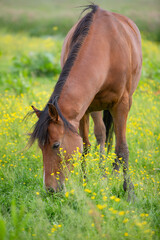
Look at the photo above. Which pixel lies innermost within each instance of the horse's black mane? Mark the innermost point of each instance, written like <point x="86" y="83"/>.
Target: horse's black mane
<point x="40" y="131"/>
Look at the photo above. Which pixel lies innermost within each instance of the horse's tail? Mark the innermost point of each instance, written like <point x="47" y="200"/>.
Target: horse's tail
<point x="108" y="122"/>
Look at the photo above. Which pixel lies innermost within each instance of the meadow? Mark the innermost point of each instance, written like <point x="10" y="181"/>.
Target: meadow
<point x="92" y="209"/>
<point x="98" y="208"/>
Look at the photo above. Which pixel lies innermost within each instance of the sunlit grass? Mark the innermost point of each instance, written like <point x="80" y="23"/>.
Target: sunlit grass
<point x="92" y="208"/>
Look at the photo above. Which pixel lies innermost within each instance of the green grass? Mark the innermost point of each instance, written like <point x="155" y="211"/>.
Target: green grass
<point x="93" y="209"/>
<point x="38" y="17"/>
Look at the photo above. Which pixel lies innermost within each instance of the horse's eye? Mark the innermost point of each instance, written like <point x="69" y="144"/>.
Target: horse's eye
<point x="56" y="145"/>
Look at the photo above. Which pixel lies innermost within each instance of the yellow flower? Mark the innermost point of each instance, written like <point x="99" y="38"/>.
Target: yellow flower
<point x="125" y="220"/>
<point x="72" y="191"/>
<point x="99" y="206"/>
<point x="117" y="199"/>
<point x="114" y="211"/>
<point x="111" y="209"/>
<point x="104" y="198"/>
<point x="37" y="193"/>
<point x="142" y="214"/>
<point x="112" y="197"/>
<point x="53" y="230"/>
<point x="67" y="194"/>
<point x="121" y="213"/>
<point x="125" y="234"/>
<point x="87" y="190"/>
<point x="144" y="223"/>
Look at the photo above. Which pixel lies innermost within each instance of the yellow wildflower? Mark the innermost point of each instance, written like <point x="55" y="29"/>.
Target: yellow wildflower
<point x="125" y="220"/>
<point x="87" y="190"/>
<point x="117" y="199"/>
<point x="121" y="213"/>
<point x="104" y="198"/>
<point x="67" y="194"/>
<point x="72" y="191"/>
<point x="99" y="206"/>
<point x="112" y="197"/>
<point x="125" y="234"/>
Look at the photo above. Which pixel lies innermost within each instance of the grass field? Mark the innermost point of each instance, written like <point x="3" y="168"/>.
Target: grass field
<point x="29" y="68"/>
<point x="98" y="208"/>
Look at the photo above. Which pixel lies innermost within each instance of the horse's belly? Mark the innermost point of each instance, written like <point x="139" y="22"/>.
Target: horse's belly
<point x="103" y="101"/>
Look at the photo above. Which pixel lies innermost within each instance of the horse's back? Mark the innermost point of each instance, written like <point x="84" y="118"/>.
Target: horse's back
<point x="112" y="50"/>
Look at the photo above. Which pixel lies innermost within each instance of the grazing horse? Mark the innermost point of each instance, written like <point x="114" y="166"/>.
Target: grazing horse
<point x="101" y="66"/>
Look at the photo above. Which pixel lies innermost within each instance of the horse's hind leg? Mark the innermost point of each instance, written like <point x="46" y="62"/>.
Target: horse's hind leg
<point x="99" y="129"/>
<point x="119" y="114"/>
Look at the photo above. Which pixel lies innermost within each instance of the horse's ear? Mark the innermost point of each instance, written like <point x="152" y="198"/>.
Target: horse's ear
<point x="37" y="112"/>
<point x="53" y="112"/>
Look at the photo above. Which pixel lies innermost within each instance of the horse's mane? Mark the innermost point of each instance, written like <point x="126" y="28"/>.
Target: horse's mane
<point x="40" y="130"/>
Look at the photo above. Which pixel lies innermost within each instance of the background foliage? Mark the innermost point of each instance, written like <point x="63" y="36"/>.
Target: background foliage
<point x="47" y="17"/>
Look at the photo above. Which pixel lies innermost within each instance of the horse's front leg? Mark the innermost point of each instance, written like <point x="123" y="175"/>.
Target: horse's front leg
<point x="99" y="130"/>
<point x="84" y="131"/>
<point x="119" y="114"/>
<point x="100" y="134"/>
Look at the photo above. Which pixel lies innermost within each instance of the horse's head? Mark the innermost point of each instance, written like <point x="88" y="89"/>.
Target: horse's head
<point x="53" y="137"/>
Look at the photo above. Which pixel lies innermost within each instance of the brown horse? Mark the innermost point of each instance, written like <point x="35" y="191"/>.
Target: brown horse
<point x="101" y="66"/>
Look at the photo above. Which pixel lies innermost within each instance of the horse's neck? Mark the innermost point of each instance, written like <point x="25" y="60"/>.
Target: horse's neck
<point x="75" y="97"/>
<point x="84" y="80"/>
